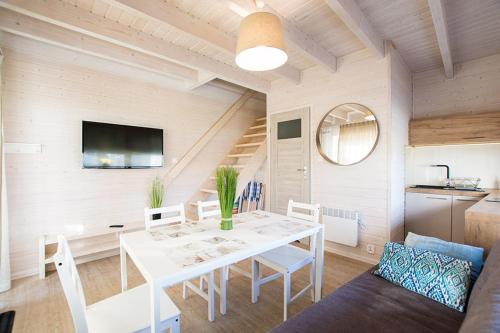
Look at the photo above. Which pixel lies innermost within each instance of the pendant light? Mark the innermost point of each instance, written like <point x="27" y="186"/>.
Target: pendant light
<point x="261" y="46"/>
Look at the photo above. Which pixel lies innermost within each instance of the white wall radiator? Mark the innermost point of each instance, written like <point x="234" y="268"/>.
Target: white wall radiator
<point x="341" y="226"/>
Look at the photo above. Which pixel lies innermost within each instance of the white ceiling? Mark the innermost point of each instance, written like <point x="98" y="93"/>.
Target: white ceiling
<point x="473" y="26"/>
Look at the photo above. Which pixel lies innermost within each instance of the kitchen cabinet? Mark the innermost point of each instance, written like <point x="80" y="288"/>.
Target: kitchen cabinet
<point x="456" y="129"/>
<point x="459" y="206"/>
<point x="429" y="215"/>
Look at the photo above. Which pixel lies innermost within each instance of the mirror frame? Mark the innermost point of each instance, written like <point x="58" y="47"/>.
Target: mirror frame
<point x="318" y="143"/>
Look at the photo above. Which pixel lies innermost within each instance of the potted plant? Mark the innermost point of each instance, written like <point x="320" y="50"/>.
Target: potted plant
<point x="226" y="179"/>
<point x="156" y="196"/>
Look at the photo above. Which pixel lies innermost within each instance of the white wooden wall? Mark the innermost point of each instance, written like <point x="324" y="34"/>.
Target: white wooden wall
<point x="46" y="98"/>
<point x="473" y="89"/>
<point x="361" y="79"/>
<point x="400" y="94"/>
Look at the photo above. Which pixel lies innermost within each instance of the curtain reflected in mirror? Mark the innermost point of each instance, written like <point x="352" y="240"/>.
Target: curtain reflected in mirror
<point x="347" y="134"/>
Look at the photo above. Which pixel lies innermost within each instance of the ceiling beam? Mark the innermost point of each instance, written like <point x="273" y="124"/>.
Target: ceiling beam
<point x="293" y="35"/>
<point x="352" y="16"/>
<point x="74" y="18"/>
<point x="440" y="26"/>
<point x="165" y="13"/>
<point x="204" y="77"/>
<point x="26" y="26"/>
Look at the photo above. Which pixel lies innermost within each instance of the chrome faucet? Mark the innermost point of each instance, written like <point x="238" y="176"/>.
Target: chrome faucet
<point x="447" y="171"/>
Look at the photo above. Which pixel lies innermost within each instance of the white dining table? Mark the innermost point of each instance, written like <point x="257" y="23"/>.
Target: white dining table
<point x="169" y="255"/>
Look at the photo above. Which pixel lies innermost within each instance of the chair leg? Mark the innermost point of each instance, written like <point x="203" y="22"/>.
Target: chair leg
<point x="312" y="276"/>
<point x="202" y="283"/>
<point x="176" y="325"/>
<point x="184" y="290"/>
<point x="255" y="280"/>
<point x="287" y="288"/>
<point x="223" y="289"/>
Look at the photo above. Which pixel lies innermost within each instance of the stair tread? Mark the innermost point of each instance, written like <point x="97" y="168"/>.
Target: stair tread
<point x="207" y="190"/>
<point x="258" y="126"/>
<point x="241" y="155"/>
<point x="254" y="135"/>
<point x="250" y="144"/>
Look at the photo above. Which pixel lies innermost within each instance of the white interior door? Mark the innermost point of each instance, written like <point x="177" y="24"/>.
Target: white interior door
<point x="290" y="158"/>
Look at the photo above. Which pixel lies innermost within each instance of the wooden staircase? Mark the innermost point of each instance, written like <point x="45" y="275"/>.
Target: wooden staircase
<point x="247" y="155"/>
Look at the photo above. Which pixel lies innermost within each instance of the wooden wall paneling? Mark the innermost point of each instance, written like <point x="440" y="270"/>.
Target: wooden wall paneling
<point x="362" y="187"/>
<point x="45" y="100"/>
<point x="473" y="89"/>
<point x="401" y="106"/>
<point x="456" y="129"/>
<point x="207" y="136"/>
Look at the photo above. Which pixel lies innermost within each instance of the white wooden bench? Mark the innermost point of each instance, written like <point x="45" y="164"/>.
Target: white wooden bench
<point x="91" y="244"/>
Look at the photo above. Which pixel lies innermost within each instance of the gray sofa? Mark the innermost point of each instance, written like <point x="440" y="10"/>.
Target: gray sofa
<point x="371" y="304"/>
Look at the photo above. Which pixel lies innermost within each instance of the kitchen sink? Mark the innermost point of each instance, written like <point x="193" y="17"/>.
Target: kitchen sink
<point x="439" y="187"/>
<point x="443" y="187"/>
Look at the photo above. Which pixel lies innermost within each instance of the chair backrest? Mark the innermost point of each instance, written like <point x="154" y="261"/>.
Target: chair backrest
<point x="177" y="215"/>
<point x="208" y="209"/>
<point x="72" y="286"/>
<point x="313" y="210"/>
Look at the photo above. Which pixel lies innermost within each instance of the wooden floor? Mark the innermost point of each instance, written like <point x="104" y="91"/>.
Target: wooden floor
<point x="41" y="307"/>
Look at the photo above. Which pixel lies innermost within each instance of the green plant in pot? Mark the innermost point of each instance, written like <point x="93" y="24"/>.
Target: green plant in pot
<point x="156" y="196"/>
<point x="227" y="180"/>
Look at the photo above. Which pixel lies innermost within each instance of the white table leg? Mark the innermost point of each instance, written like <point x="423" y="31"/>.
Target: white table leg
<point x="255" y="280"/>
<point x="320" y="245"/>
<point x="123" y="267"/>
<point x="154" y="300"/>
<point x="223" y="289"/>
<point x="211" y="308"/>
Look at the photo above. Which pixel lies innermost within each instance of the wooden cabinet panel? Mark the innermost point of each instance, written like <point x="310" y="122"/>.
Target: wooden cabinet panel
<point x="456" y="129"/>
<point x="428" y="215"/>
<point x="460" y="205"/>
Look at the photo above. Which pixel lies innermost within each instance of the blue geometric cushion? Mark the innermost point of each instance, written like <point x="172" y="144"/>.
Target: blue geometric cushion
<point x="455" y="250"/>
<point x="434" y="275"/>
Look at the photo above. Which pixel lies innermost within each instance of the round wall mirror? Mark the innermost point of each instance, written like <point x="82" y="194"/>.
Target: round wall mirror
<point x="347" y="134"/>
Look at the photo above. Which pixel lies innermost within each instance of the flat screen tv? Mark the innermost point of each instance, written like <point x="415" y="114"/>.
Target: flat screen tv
<point x="112" y="146"/>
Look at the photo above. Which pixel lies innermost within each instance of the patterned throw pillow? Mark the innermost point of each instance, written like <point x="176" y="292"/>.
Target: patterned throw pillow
<point x="434" y="275"/>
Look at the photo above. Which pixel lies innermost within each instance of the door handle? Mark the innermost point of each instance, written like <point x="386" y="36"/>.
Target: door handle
<point x="436" y="198"/>
<point x="304" y="170"/>
<point x="471" y="200"/>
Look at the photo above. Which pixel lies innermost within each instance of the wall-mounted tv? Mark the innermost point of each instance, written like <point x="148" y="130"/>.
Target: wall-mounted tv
<point x="112" y="146"/>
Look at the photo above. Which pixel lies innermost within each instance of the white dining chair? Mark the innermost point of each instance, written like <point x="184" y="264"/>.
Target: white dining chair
<point x="175" y="214"/>
<point x="288" y="259"/>
<point x="124" y="312"/>
<point x="209" y="209"/>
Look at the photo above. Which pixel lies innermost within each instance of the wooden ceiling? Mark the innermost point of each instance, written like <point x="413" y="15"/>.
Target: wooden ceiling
<point x="195" y="39"/>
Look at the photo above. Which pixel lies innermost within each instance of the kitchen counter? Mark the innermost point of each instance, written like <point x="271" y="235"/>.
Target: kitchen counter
<point x="486" y="192"/>
<point x="482" y="222"/>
